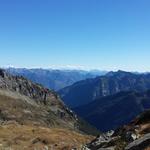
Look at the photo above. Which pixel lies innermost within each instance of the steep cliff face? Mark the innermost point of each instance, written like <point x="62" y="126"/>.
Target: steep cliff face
<point x="84" y="92"/>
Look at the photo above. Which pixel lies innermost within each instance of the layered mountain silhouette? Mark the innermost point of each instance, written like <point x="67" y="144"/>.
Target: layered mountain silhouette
<point x="54" y="79"/>
<point x="113" y="111"/>
<point x="86" y="91"/>
<point x="36" y="117"/>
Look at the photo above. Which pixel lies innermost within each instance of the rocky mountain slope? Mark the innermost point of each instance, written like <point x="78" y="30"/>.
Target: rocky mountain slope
<point x="33" y="117"/>
<point x="54" y="79"/>
<point x="134" y="136"/>
<point x="28" y="97"/>
<point x="113" y="111"/>
<point x="84" y="92"/>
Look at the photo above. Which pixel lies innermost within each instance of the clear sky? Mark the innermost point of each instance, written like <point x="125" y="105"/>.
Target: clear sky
<point x="100" y="34"/>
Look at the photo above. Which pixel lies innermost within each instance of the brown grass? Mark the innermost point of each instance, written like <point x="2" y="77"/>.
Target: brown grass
<point x="144" y="128"/>
<point x="23" y="137"/>
<point x="27" y="126"/>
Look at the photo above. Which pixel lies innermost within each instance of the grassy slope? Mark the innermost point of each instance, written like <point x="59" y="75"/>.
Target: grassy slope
<point x="25" y="137"/>
<point x="25" y="111"/>
<point x="27" y="126"/>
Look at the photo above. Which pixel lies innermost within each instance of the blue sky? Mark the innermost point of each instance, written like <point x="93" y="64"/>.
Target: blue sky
<point x="96" y="34"/>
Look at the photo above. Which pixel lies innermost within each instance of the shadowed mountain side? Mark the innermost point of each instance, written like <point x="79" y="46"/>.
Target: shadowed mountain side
<point x="86" y="91"/>
<point x="116" y="110"/>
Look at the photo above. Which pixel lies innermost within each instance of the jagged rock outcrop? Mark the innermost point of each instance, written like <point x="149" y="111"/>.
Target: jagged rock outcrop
<point x="140" y="144"/>
<point x="101" y="142"/>
<point x="26" y="87"/>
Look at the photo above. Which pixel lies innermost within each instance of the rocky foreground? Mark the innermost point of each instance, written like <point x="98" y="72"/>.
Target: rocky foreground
<point x="134" y="136"/>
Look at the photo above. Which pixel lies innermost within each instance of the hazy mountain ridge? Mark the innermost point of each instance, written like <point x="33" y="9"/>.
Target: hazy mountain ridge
<point x="54" y="78"/>
<point x="84" y="92"/>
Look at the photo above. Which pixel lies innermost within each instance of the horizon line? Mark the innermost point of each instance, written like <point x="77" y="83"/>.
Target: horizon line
<point x="69" y="67"/>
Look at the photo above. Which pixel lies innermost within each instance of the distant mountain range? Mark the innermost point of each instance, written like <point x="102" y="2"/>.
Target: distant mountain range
<point x="113" y="111"/>
<point x="86" y="91"/>
<point x="107" y="101"/>
<point x="55" y="79"/>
